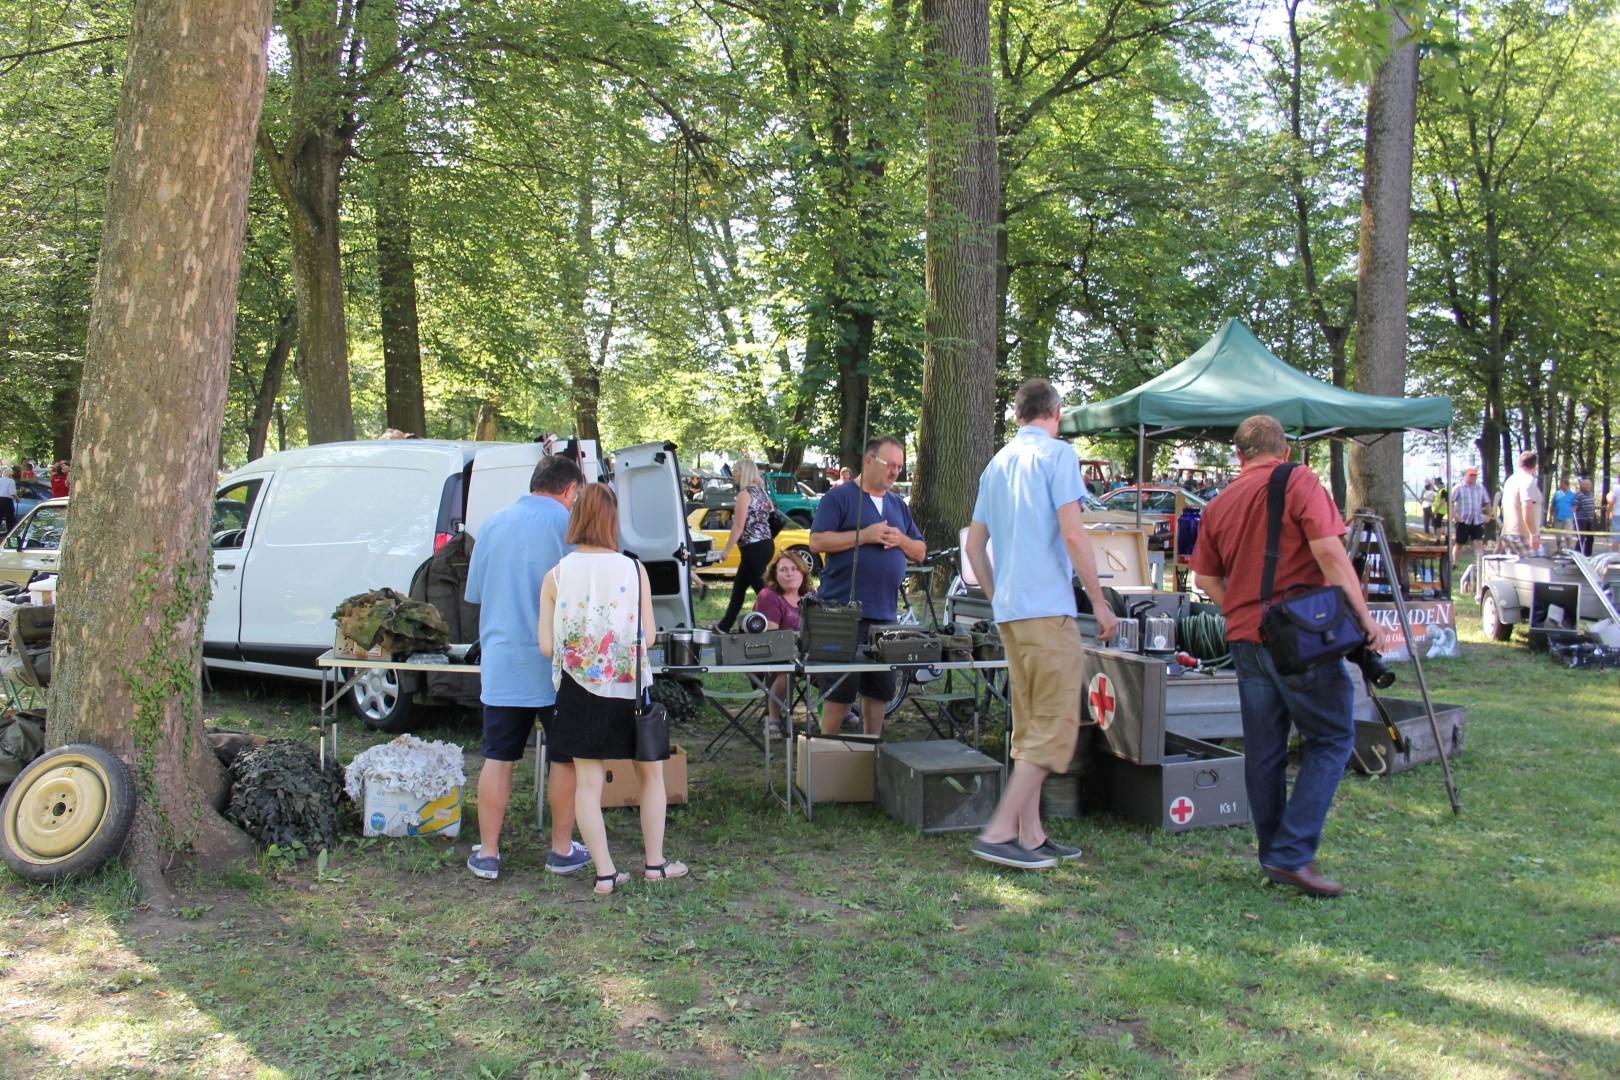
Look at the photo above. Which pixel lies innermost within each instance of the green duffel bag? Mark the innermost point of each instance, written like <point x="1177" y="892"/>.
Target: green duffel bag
<point x="22" y="739"/>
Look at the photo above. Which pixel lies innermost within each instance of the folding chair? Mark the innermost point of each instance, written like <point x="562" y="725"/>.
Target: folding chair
<point x="740" y="708"/>
<point x="26" y="666"/>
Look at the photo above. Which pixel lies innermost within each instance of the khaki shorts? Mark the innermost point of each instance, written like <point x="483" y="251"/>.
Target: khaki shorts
<point x="1044" y="672"/>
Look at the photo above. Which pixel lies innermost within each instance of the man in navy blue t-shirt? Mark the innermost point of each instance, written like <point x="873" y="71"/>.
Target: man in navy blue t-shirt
<point x="866" y="534"/>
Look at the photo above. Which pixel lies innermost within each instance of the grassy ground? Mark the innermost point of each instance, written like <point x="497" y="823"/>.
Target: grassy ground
<point x="1481" y="946"/>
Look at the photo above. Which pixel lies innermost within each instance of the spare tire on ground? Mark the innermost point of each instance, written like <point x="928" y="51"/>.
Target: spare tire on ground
<point x="67" y="813"/>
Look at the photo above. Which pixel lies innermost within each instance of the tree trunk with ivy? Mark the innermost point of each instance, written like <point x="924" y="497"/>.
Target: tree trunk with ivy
<point x="136" y="563"/>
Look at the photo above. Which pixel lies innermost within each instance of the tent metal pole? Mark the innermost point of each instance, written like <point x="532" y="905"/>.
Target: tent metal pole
<point x="1446" y="539"/>
<point x="1141" y="480"/>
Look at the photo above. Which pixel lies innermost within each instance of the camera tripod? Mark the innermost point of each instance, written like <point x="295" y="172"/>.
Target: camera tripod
<point x="1363" y="523"/>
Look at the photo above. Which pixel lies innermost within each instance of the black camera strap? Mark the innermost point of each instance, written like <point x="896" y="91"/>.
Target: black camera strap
<point x="1276" y="497"/>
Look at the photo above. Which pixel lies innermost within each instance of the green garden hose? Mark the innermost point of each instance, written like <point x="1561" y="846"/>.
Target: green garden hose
<point x="1204" y="636"/>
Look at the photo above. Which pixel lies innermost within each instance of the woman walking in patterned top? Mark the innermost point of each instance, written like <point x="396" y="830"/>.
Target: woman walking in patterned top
<point x="751" y="536"/>
<point x="594" y="607"/>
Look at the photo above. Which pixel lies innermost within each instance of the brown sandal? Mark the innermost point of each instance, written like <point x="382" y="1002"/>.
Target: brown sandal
<point x="668" y="870"/>
<point x="612" y="881"/>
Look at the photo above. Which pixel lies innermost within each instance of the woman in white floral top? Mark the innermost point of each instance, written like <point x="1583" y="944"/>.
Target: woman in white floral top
<point x="594" y="604"/>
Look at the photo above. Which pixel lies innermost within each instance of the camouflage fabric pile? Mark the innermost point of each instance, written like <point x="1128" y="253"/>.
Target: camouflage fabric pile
<point x="281" y="794"/>
<point x="399" y="624"/>
<point x="676" y="700"/>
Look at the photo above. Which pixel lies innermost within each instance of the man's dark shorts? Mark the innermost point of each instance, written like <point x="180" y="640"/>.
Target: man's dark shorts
<point x="1467" y="534"/>
<point x="842" y="689"/>
<point x="507" y="729"/>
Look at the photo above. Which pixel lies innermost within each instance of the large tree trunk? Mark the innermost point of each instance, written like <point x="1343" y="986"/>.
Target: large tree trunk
<point x="954" y="434"/>
<point x="275" y="369"/>
<point x="305" y="172"/>
<point x="1386" y="221"/>
<point x="396" y="264"/>
<point x="136" y="566"/>
<point x="584" y="375"/>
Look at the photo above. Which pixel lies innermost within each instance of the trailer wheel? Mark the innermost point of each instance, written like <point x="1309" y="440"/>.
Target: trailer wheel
<point x="67" y="813"/>
<point x="1490" y="618"/>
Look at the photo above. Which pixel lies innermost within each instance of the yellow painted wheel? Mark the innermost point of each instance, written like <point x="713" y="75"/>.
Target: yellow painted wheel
<point x="67" y="813"/>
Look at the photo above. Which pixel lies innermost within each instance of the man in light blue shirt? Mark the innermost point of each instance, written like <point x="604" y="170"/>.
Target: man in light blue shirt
<point x="1029" y="504"/>
<point x="517" y="546"/>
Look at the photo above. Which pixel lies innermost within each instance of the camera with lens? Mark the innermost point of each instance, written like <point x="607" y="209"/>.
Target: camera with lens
<point x="1373" y="669"/>
<point x="755" y="623"/>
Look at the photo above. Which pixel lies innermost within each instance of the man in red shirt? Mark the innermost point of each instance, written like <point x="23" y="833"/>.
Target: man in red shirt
<point x="1228" y="565"/>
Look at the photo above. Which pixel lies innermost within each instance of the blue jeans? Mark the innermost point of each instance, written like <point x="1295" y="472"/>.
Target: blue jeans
<point x="1321" y="704"/>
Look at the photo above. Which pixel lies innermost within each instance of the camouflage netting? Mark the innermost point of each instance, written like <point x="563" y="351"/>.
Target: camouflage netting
<point x="401" y="625"/>
<point x="280" y="794"/>
<point x="676" y="700"/>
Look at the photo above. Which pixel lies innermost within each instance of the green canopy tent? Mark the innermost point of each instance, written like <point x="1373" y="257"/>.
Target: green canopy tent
<point x="1234" y="377"/>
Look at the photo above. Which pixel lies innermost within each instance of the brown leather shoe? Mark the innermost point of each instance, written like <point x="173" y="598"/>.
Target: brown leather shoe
<point x="1305" y="879"/>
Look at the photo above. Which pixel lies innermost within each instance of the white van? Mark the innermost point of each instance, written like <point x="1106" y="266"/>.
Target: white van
<point x="298" y="531"/>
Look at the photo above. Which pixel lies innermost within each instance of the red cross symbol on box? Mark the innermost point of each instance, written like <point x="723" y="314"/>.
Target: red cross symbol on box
<point x="1100" y="700"/>
<point x="1181" y="811"/>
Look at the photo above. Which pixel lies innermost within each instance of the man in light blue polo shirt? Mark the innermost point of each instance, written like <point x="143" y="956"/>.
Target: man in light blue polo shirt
<point x="1029" y="504"/>
<point x="517" y="546"/>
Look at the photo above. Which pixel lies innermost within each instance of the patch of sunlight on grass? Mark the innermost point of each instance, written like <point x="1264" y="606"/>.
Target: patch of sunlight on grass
<point x="1003" y="891"/>
<point x="1553" y="1006"/>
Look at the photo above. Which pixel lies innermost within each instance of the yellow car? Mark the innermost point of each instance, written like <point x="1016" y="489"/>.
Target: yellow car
<point x="715" y="523"/>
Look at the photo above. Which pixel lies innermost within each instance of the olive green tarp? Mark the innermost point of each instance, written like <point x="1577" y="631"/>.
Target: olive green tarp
<point x="1234" y="377"/>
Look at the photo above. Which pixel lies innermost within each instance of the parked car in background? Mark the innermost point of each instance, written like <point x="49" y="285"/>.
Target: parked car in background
<point x="793" y="497"/>
<point x="715" y="523"/>
<point x="1158" y="508"/>
<point x="32" y="546"/>
<point x="30" y="493"/>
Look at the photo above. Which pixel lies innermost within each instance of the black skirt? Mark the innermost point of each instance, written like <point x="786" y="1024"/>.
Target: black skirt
<point x="592" y="727"/>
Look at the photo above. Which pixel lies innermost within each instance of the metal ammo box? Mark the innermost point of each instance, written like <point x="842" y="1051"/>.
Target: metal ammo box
<point x="1135" y="702"/>
<point x="938" y="786"/>
<point x="770" y="647"/>
<point x="1194" y="785"/>
<point x="896" y="644"/>
<point x="1374" y="754"/>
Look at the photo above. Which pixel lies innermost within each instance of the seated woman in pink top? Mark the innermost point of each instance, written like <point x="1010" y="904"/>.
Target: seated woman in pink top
<point x="787" y="581"/>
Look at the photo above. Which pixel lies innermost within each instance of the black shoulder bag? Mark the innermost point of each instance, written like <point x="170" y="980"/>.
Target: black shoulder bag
<point x="652" y="719"/>
<point x="1307" y="626"/>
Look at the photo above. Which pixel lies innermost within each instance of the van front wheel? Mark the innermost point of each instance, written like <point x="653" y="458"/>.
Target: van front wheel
<point x="376" y="699"/>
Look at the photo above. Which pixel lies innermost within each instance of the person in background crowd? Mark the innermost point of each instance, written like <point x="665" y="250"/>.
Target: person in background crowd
<point x="1563" y="513"/>
<point x="516" y="546"/>
<point x="1442" y="506"/>
<point x="787" y="581"/>
<point x="1468" y="503"/>
<point x="1586" y="515"/>
<point x="595" y="609"/>
<point x="59" y="480"/>
<point x="1228" y="564"/>
<point x="865" y="533"/>
<point x="8" y="501"/>
<point x="1521" y="508"/>
<point x="1029" y="504"/>
<point x="845" y="475"/>
<point x="751" y="536"/>
<point x="26" y="471"/>
<point x="1426" y="501"/>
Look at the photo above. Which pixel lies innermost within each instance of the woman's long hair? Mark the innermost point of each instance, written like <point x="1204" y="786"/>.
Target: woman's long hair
<point x="595" y="519"/>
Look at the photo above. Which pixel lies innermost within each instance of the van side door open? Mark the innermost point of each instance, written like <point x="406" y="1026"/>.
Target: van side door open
<point x="232" y="525"/>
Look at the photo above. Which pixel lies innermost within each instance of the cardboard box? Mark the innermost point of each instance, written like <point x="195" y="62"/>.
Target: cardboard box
<point x="398" y="813"/>
<point x="937" y="786"/>
<point x="622" y="785"/>
<point x="843" y="770"/>
<point x="348" y="647"/>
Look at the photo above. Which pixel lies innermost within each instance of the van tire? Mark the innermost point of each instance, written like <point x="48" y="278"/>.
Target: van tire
<point x="379" y="700"/>
<point x="67" y="813"/>
<point x="801" y="518"/>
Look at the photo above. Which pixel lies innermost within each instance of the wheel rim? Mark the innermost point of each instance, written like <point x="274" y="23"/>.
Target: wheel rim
<point x="59" y="811"/>
<point x="376" y="694"/>
<point x="1488" y="615"/>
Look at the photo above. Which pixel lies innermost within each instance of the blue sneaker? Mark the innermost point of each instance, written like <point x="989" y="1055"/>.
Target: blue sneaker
<point x="577" y="859"/>
<point x="487" y="867"/>
<point x="1050" y="847"/>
